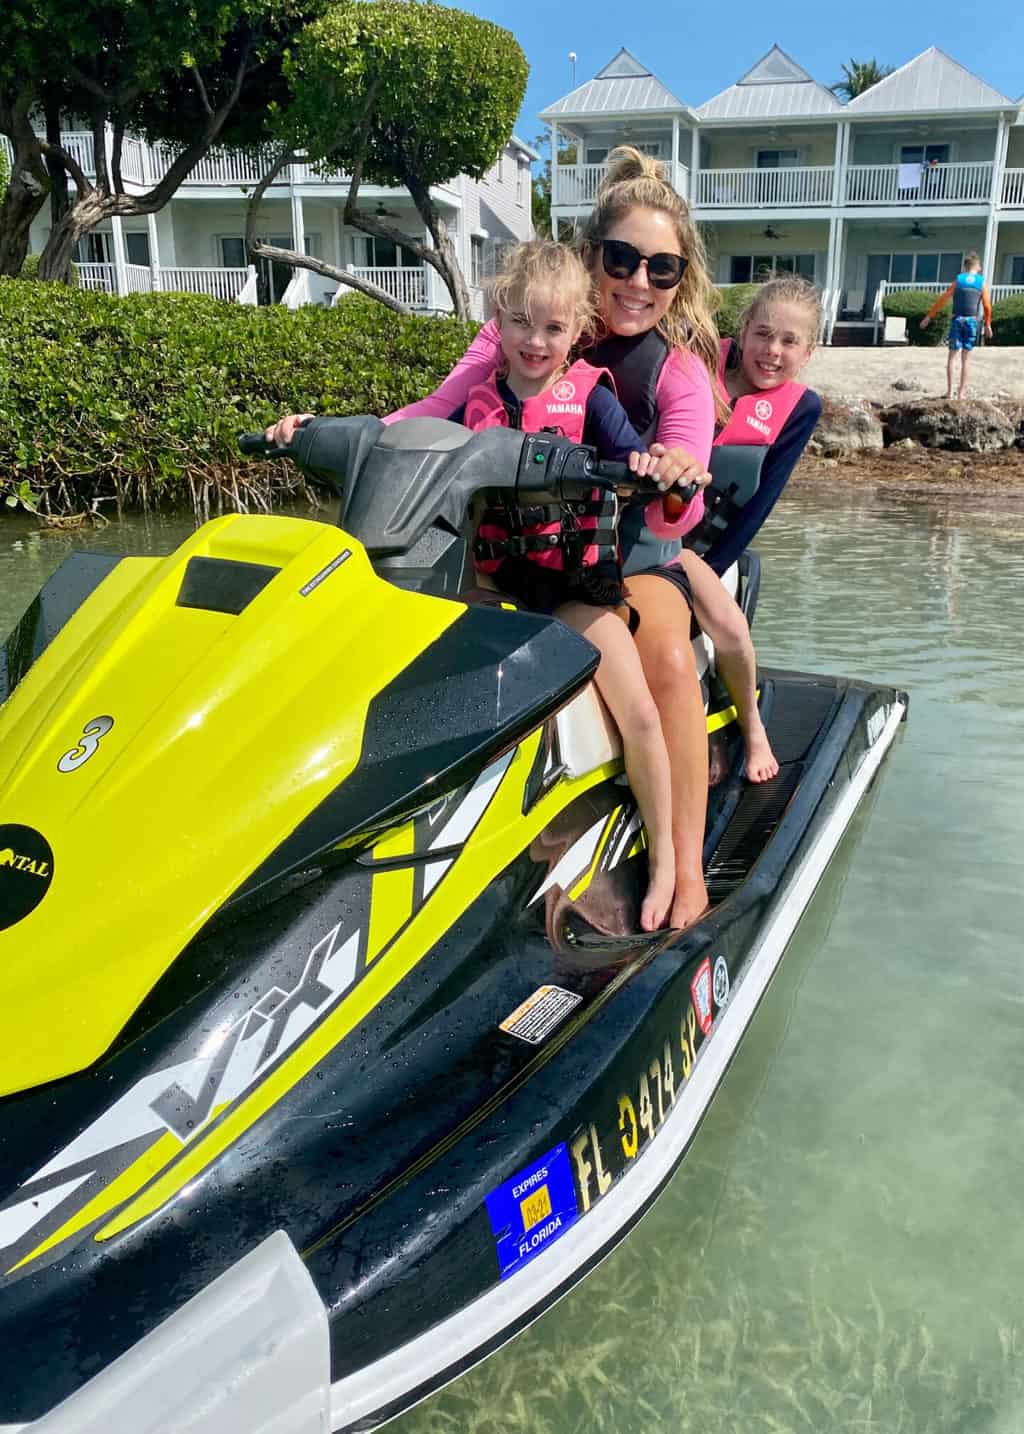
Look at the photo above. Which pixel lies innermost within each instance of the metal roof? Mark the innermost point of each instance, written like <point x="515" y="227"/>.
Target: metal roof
<point x="775" y="88"/>
<point x="930" y="81"/>
<point x="527" y="149"/>
<point x="624" y="86"/>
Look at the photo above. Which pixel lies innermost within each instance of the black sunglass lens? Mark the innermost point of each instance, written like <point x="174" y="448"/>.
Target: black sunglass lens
<point x="665" y="269"/>
<point x="620" y="260"/>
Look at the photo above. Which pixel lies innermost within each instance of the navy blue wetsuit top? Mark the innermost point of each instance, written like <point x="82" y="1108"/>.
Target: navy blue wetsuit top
<point x="605" y="425"/>
<point x="780" y="460"/>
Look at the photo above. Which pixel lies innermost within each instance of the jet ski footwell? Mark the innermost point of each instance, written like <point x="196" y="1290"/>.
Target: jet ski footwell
<point x="486" y="1231"/>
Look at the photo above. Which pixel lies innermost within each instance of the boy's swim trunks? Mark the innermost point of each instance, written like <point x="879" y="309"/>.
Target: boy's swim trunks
<point x="963" y="333"/>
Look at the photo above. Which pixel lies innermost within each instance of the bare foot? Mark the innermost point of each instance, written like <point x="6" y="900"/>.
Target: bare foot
<point x="762" y="765"/>
<point x="691" y="902"/>
<point x="661" y="884"/>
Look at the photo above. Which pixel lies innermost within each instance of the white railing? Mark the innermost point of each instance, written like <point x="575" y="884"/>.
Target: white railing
<point x="138" y="278"/>
<point x="1013" y="188"/>
<point x="754" y="188"/>
<point x="575" y="184"/>
<point x="1005" y="291"/>
<point x="996" y="292"/>
<point x="218" y="283"/>
<point x="102" y="277"/>
<point x="407" y="283"/>
<point x="219" y="166"/>
<point x="935" y="184"/>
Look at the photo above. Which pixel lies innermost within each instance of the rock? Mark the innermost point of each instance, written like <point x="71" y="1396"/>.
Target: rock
<point x="974" y="426"/>
<point x="903" y="443"/>
<point x="846" y="426"/>
<point x="908" y="385"/>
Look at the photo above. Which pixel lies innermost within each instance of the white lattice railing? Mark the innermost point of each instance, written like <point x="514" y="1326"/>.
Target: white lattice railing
<point x="755" y="188"/>
<point x="579" y="183"/>
<point x="138" y="278"/>
<point x="963" y="183"/>
<point x="218" y="283"/>
<point x="996" y="292"/>
<point x="102" y="277"/>
<point x="1013" y="189"/>
<point x="1004" y="291"/>
<point x="407" y="283"/>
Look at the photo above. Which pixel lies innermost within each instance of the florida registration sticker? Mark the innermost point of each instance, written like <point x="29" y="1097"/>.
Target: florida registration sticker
<point x="532" y="1209"/>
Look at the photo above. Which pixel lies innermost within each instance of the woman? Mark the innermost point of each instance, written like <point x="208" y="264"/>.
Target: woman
<point x="654" y="296"/>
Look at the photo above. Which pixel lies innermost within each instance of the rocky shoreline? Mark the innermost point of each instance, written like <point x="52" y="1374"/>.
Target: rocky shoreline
<point x="922" y="443"/>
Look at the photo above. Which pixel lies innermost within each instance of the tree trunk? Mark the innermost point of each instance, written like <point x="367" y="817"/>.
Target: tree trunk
<point x="59" y="250"/>
<point x="447" y="262"/>
<point x="25" y="197"/>
<point x="60" y="200"/>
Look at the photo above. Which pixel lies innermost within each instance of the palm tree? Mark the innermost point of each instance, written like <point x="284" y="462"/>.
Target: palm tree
<point x="858" y="76"/>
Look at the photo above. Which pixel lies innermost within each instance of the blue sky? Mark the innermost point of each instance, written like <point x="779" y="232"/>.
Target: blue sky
<point x="698" y="51"/>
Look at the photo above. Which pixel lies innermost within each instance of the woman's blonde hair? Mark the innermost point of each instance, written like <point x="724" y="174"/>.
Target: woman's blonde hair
<point x="542" y="266"/>
<point x="786" y="289"/>
<point x="635" y="181"/>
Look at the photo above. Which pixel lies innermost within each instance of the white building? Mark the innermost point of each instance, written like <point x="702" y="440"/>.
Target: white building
<point x="196" y="242"/>
<point x="884" y="192"/>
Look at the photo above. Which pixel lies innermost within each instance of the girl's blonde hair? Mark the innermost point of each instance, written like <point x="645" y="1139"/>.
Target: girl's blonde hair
<point x="635" y="181"/>
<point x="786" y="289"/>
<point x="542" y="266"/>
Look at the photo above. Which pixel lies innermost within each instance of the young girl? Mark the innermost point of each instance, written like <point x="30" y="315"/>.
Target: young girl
<point x="767" y="407"/>
<point x="543" y="307"/>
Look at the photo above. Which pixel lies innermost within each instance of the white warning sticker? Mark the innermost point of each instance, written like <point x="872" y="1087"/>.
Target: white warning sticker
<point x="540" y="1013"/>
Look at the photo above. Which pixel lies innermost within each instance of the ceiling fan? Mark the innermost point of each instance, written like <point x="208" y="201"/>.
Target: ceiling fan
<point x="917" y="232"/>
<point x="771" y="233"/>
<point x="381" y="213"/>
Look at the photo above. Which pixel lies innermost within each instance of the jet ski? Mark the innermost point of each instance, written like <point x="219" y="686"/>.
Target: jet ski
<point x="332" y="1053"/>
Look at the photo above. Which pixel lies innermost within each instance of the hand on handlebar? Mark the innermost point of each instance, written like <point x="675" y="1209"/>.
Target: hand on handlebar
<point x="669" y="467"/>
<point x="280" y="434"/>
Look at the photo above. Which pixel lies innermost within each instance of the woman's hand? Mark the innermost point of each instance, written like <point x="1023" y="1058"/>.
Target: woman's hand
<point x="280" y="433"/>
<point x="669" y="467"/>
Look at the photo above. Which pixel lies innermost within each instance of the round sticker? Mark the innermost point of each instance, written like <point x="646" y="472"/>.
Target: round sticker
<point x="564" y="391"/>
<point x="26" y="870"/>
<point x="720" y="982"/>
<point x="763" y="409"/>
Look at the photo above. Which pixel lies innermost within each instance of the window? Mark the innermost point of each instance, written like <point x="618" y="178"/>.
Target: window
<point x="1017" y="269"/>
<point x="95" y="248"/>
<point x="520" y="180"/>
<point x="927" y="268"/>
<point x="137" y="248"/>
<point x="383" y="253"/>
<point x="756" y="268"/>
<point x="232" y="252"/>
<point x="778" y="158"/>
<point x="477" y="261"/>
<point x="949" y="267"/>
<point x="901" y="269"/>
<point x="596" y="156"/>
<point x="917" y="268"/>
<point x="924" y="154"/>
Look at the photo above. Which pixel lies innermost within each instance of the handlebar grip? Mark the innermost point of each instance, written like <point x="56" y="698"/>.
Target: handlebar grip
<point x="676" y="499"/>
<point x="614" y="472"/>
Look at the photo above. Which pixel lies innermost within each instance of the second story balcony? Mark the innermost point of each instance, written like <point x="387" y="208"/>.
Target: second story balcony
<point x="788" y="187"/>
<point x="576" y="185"/>
<point x="915" y="184"/>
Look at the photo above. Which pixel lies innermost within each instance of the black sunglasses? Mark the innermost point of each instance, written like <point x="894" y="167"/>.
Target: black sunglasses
<point x="620" y="260"/>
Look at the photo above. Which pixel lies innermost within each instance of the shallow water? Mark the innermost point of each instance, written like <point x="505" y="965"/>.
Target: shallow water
<point x="842" y="1248"/>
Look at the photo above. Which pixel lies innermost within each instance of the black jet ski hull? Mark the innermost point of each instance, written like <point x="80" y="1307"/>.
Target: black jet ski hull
<point x="540" y="1145"/>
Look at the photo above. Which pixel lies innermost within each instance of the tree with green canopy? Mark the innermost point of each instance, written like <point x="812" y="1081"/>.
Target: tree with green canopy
<point x="399" y="93"/>
<point x="192" y="75"/>
<point x="858" y="76"/>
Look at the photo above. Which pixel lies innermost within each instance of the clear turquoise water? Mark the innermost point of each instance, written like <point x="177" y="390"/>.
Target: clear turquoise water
<point x="843" y="1247"/>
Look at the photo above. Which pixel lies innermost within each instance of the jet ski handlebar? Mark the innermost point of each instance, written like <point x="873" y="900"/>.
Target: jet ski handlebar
<point x="396" y="481"/>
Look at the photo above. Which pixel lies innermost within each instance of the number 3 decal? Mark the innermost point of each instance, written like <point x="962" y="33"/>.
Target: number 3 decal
<point x="86" y="748"/>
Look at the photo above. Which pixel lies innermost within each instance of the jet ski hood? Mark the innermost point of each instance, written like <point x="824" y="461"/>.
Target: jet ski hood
<point x="193" y="715"/>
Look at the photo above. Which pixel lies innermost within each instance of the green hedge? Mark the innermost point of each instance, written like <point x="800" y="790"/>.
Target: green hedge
<point x="912" y="305"/>
<point x="731" y="303"/>
<point x="141" y="399"/>
<point x="1008" y="320"/>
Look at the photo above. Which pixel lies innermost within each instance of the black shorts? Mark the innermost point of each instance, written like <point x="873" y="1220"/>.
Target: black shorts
<point x="673" y="573"/>
<point x="541" y="589"/>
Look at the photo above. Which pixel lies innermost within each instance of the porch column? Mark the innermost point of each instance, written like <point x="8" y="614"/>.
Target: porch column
<point x="554" y="178"/>
<point x="154" y="252"/>
<point x="839" y="162"/>
<point x="298" y="224"/>
<point x="988" y="258"/>
<point x="120" y="260"/>
<point x="694" y="166"/>
<point x="675" y="151"/>
<point x="999" y="163"/>
<point x="339" y="252"/>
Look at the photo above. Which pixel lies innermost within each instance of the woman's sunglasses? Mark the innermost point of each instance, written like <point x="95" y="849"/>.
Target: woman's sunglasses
<point x="620" y="260"/>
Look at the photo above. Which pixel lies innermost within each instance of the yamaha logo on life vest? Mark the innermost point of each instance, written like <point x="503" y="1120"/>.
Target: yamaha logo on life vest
<point x="26" y="870"/>
<point x="564" y="391"/>
<point x="763" y="409"/>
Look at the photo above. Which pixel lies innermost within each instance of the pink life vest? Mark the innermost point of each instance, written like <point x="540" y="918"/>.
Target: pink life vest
<point x="757" y="418"/>
<point x="538" y="531"/>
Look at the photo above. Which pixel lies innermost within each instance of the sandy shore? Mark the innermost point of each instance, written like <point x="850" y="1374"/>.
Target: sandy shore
<point x="870" y="373"/>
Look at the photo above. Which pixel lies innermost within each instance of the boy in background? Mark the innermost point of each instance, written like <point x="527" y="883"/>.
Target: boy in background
<point x="969" y="293"/>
